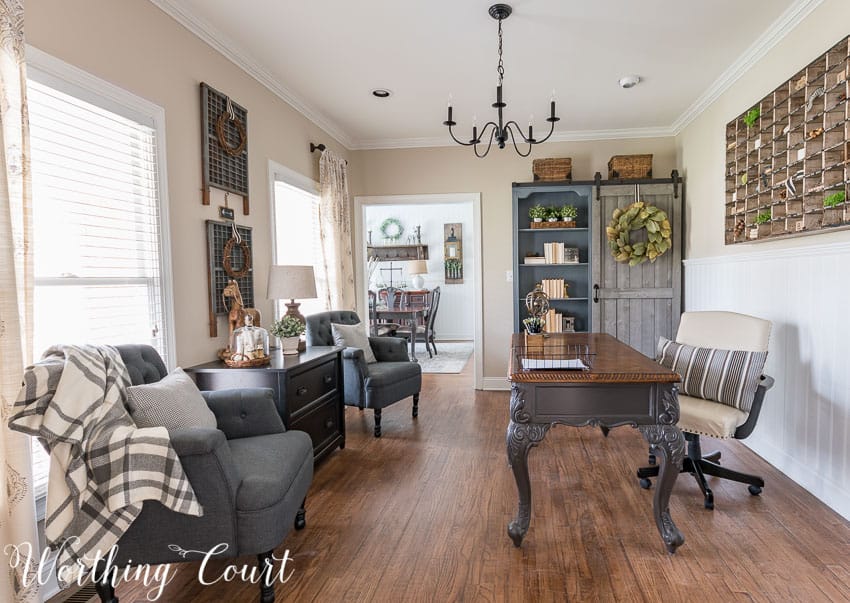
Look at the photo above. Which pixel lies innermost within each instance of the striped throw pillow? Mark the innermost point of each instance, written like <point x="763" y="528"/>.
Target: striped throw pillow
<point x="730" y="377"/>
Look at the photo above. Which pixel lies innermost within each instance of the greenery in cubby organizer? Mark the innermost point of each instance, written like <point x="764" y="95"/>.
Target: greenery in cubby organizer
<point x="763" y="217"/>
<point x="538" y="212"/>
<point x="835" y="199"/>
<point x="752" y="116"/>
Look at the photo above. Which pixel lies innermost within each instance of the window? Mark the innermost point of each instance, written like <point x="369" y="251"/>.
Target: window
<point x="100" y="245"/>
<point x="296" y="232"/>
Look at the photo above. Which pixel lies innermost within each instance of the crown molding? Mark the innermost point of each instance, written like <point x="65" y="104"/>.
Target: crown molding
<point x="774" y="34"/>
<point x="783" y="25"/>
<point x="570" y="136"/>
<point x="231" y="51"/>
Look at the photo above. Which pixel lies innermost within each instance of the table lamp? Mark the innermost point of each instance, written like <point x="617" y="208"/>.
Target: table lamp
<point x="416" y="268"/>
<point x="293" y="282"/>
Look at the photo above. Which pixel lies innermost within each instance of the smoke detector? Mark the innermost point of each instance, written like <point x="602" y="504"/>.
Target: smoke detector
<point x="629" y="81"/>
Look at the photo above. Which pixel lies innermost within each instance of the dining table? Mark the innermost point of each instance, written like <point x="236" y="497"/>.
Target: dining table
<point x="408" y="314"/>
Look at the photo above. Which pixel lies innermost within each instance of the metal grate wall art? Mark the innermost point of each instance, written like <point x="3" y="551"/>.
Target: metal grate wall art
<point x="239" y="267"/>
<point x="224" y="127"/>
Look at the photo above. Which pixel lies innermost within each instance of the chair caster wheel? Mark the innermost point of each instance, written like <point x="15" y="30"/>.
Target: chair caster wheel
<point x="754" y="490"/>
<point x="709" y="503"/>
<point x="645" y="483"/>
<point x="651" y="459"/>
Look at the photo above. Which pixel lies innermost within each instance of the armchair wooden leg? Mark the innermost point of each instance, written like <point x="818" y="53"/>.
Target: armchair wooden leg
<point x="377" y="422"/>
<point x="266" y="590"/>
<point x="103" y="587"/>
<point x="300" y="520"/>
<point x="415" y="405"/>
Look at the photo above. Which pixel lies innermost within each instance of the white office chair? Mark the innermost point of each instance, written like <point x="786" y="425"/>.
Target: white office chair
<point x="719" y="330"/>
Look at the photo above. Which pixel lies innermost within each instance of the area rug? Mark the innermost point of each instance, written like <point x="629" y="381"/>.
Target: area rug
<point x="451" y="357"/>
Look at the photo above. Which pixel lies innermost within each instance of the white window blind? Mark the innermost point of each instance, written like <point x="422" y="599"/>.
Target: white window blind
<point x="297" y="238"/>
<point x="98" y="246"/>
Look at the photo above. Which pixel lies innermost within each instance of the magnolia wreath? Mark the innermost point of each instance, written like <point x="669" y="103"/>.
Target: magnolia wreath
<point x="635" y="217"/>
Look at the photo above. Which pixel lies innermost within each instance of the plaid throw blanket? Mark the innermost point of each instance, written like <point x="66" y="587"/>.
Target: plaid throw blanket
<point x="101" y="465"/>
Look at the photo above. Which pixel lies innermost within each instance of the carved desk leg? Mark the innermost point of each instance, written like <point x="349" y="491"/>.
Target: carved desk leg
<point x="668" y="444"/>
<point x="521" y="436"/>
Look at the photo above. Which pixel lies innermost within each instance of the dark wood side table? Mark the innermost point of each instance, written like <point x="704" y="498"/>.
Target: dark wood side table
<point x="623" y="387"/>
<point x="308" y="391"/>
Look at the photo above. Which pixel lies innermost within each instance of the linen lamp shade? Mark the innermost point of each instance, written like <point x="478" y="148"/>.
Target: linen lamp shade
<point x="292" y="282"/>
<point x="416" y="268"/>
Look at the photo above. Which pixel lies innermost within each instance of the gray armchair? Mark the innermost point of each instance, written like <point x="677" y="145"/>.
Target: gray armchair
<point x="376" y="386"/>
<point x="250" y="475"/>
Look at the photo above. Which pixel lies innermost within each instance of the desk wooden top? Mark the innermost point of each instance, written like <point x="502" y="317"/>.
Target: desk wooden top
<point x="613" y="362"/>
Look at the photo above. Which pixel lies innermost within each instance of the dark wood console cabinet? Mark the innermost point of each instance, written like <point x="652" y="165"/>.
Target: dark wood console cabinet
<point x="307" y="391"/>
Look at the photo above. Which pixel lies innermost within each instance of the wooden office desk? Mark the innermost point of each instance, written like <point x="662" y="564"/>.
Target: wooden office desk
<point x="623" y="387"/>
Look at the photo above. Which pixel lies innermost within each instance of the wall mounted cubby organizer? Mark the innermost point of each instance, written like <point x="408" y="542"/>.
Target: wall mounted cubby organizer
<point x="788" y="156"/>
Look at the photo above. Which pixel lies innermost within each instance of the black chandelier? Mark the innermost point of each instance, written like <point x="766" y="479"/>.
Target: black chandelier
<point x="501" y="131"/>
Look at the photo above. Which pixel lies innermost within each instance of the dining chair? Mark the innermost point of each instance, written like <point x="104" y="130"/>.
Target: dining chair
<point x="377" y="327"/>
<point x="425" y="332"/>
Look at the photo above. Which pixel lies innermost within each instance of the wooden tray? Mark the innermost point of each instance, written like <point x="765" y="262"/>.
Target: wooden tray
<point x="570" y="224"/>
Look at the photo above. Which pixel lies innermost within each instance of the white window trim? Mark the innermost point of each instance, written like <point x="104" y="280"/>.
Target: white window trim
<point x="67" y="78"/>
<point x="281" y="173"/>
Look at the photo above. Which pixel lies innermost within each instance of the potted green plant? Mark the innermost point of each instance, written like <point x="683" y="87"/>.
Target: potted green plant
<point x="835" y="199"/>
<point x="538" y="213"/>
<point x="289" y="329"/>
<point x="763" y="223"/>
<point x="568" y="213"/>
<point x="553" y="213"/>
<point x="832" y="213"/>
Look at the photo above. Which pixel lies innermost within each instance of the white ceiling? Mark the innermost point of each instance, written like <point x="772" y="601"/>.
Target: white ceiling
<point x="325" y="57"/>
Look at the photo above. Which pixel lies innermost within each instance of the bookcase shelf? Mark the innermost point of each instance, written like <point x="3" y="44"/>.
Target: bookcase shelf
<point x="793" y="157"/>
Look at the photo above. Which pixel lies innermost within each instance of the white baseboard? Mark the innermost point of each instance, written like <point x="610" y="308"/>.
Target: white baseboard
<point x="495" y="384"/>
<point x="825" y="489"/>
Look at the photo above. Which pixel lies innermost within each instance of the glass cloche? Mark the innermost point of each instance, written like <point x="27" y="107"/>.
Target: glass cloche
<point x="249" y="343"/>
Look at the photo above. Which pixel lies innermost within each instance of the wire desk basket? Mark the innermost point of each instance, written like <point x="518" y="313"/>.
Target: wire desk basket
<point x="541" y="353"/>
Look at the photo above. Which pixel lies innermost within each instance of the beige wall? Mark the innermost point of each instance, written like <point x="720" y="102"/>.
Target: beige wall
<point x="701" y="145"/>
<point x="134" y="45"/>
<point x="456" y="170"/>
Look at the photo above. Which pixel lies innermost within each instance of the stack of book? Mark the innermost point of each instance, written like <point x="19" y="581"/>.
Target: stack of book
<point x="535" y="259"/>
<point x="555" y="322"/>
<point x="558" y="253"/>
<point x="555" y="288"/>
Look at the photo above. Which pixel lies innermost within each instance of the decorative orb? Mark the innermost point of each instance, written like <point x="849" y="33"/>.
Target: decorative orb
<point x="537" y="302"/>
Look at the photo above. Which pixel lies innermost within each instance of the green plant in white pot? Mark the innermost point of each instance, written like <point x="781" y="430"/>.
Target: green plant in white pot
<point x="538" y="213"/>
<point x="568" y="213"/>
<point x="289" y="330"/>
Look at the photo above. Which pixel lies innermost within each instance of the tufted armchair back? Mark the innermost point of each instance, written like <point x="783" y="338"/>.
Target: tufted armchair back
<point x="143" y="363"/>
<point x="319" y="325"/>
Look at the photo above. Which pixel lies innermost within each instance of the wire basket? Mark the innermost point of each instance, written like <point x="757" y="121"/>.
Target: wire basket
<point x="540" y="352"/>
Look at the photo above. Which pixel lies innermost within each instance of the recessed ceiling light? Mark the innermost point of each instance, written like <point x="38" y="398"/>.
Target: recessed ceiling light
<point x="381" y="93"/>
<point x="629" y="81"/>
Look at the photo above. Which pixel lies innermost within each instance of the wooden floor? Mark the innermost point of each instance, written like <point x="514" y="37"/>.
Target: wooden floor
<point x="421" y="515"/>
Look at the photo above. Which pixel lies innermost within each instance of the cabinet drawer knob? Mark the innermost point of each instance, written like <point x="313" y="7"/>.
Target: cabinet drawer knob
<point x="328" y="379"/>
<point x="301" y="390"/>
<point x="329" y="423"/>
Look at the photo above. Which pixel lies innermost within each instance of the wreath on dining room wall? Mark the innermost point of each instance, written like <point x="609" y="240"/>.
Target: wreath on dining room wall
<point x="634" y="218"/>
<point x="392" y="229"/>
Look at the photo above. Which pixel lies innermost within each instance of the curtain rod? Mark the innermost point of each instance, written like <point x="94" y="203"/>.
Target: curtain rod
<point x="321" y="147"/>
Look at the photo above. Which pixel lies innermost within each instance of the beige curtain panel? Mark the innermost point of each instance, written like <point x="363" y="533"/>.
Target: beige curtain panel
<point x="335" y="231"/>
<point x="17" y="507"/>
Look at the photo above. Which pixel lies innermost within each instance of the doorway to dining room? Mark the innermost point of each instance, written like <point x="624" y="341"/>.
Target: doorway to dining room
<point x="411" y="249"/>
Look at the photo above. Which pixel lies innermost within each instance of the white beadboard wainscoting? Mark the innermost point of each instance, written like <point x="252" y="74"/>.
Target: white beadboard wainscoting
<point x="804" y="427"/>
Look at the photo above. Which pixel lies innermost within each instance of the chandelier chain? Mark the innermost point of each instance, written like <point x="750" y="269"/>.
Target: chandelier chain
<point x="501" y="68"/>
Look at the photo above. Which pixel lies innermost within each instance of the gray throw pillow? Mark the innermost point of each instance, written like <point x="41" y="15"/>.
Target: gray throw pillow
<point x="172" y="402"/>
<point x="353" y="336"/>
<point x="730" y="377"/>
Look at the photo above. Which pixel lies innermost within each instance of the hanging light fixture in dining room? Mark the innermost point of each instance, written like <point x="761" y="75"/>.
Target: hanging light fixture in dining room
<point x="500" y="131"/>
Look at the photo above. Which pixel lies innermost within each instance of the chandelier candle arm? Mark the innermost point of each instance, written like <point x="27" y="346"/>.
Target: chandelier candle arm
<point x="501" y="130"/>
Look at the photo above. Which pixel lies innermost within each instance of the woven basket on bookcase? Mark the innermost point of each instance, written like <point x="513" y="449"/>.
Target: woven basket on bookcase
<point x="553" y="169"/>
<point x="630" y="166"/>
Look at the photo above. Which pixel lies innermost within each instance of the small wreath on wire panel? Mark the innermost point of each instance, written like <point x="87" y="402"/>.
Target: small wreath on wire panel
<point x="246" y="258"/>
<point x="638" y="216"/>
<point x="223" y="118"/>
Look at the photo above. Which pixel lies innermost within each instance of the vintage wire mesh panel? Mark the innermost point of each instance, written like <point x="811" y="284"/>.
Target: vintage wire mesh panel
<point x="218" y="233"/>
<point x="224" y="168"/>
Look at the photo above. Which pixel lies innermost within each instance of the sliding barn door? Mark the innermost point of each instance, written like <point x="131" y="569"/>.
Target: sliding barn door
<point x="637" y="304"/>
